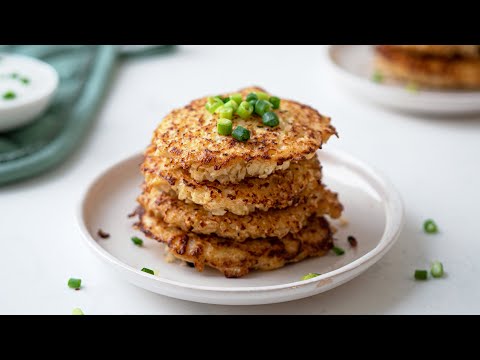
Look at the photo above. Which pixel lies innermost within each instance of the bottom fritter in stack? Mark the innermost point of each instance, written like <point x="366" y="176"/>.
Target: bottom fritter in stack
<point x="242" y="223"/>
<point x="435" y="66"/>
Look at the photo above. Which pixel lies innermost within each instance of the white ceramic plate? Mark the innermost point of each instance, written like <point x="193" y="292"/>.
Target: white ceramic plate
<point x="352" y="66"/>
<point x="31" y="99"/>
<point x="372" y="207"/>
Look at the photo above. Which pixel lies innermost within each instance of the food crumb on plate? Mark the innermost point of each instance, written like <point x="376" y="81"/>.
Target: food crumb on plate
<point x="103" y="234"/>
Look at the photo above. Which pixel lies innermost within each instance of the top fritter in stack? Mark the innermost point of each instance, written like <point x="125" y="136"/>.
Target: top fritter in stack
<point x="436" y="66"/>
<point x="238" y="205"/>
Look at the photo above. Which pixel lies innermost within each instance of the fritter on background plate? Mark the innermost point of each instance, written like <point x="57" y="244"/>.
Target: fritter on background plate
<point x="427" y="70"/>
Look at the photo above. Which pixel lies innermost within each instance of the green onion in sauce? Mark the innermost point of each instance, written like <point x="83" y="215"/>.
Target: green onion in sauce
<point x="9" y="95"/>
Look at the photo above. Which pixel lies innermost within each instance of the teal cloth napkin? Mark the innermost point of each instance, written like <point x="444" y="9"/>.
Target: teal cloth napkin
<point x="85" y="72"/>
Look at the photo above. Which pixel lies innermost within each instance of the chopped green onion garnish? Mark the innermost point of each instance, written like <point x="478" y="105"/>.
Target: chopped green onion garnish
<point x="275" y="101"/>
<point x="9" y="95"/>
<point x="270" y="119"/>
<point x="245" y="109"/>
<point x="338" y="250"/>
<point x="241" y="134"/>
<point x="148" y="271"/>
<point x="224" y="126"/>
<point x="77" y="311"/>
<point x="74" y="283"/>
<point x="310" y="276"/>
<point x="421" y="274"/>
<point x="213" y="103"/>
<point x="437" y="269"/>
<point x="137" y="241"/>
<point x="430" y="227"/>
<point x="14" y="75"/>
<point x="232" y="104"/>
<point x="377" y="77"/>
<point x="262" y="95"/>
<point x="25" y="81"/>
<point x="262" y="106"/>
<point x="253" y="103"/>
<point x="252" y="96"/>
<point x="225" y="112"/>
<point x="412" y="87"/>
<point x="237" y="98"/>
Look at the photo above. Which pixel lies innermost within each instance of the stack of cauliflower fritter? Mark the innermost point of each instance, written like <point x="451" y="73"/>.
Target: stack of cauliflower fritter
<point x="436" y="66"/>
<point x="238" y="206"/>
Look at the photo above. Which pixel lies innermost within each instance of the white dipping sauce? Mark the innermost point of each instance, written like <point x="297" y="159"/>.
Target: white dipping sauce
<point x="26" y="87"/>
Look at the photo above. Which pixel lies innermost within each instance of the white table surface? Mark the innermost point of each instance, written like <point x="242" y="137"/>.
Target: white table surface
<point x="433" y="163"/>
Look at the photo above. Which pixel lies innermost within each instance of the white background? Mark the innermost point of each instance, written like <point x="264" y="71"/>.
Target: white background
<point x="433" y="162"/>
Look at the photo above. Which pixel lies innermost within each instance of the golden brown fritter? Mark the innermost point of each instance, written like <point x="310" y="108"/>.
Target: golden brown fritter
<point x="429" y="71"/>
<point x="280" y="190"/>
<point x="442" y="50"/>
<point x="188" y="139"/>
<point x="260" y="224"/>
<point x="236" y="259"/>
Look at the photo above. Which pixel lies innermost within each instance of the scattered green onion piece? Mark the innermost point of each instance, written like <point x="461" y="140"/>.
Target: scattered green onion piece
<point x="14" y="75"/>
<point x="224" y="126"/>
<point x="437" y="269"/>
<point x="338" y="250"/>
<point x="213" y="103"/>
<point x="74" y="283"/>
<point x="275" y="101"/>
<point x="25" y="80"/>
<point x="148" y="271"/>
<point x="252" y="96"/>
<point x="421" y="274"/>
<point x="412" y="87"/>
<point x="237" y="98"/>
<point x="262" y="106"/>
<point x="310" y="276"/>
<point x="9" y="95"/>
<point x="262" y="95"/>
<point x="377" y="77"/>
<point x="270" y="119"/>
<point x="225" y="112"/>
<point x="77" y="311"/>
<point x="241" y="134"/>
<point x="232" y="104"/>
<point x="430" y="227"/>
<point x="137" y="241"/>
<point x="245" y="109"/>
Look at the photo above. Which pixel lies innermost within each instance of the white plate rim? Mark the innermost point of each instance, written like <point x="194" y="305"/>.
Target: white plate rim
<point x="394" y="221"/>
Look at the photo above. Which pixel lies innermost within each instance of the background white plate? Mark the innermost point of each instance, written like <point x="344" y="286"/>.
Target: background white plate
<point x="372" y="207"/>
<point x="352" y="66"/>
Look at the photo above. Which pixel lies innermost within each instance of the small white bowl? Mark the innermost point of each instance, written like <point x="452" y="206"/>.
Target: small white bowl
<point x="31" y="99"/>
